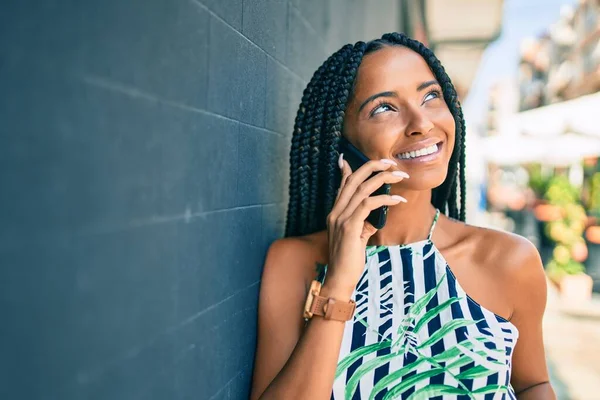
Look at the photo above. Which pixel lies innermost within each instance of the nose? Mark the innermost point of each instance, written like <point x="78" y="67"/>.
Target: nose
<point x="419" y="123"/>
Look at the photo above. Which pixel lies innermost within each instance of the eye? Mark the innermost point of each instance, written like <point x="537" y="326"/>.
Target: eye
<point x="379" y="107"/>
<point x="434" y="94"/>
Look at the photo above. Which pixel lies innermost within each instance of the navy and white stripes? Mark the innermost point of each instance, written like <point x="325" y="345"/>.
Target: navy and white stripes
<point x="417" y="335"/>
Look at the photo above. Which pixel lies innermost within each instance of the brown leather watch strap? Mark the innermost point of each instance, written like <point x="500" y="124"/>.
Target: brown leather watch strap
<point x="331" y="309"/>
<point x="325" y="307"/>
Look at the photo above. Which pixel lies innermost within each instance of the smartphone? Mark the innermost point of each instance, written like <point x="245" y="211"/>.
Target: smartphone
<point x="356" y="159"/>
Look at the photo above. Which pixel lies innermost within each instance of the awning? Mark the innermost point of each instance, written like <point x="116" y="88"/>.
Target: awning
<point x="561" y="149"/>
<point x="557" y="134"/>
<point x="578" y="115"/>
<point x="459" y="32"/>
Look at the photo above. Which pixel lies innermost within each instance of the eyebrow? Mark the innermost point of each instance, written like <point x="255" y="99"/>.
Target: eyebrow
<point x="422" y="86"/>
<point x="425" y="85"/>
<point x="375" y="96"/>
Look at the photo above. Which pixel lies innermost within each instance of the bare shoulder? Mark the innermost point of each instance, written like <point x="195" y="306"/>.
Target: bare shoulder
<point x="510" y="260"/>
<point x="501" y="250"/>
<point x="294" y="259"/>
<point x="510" y="253"/>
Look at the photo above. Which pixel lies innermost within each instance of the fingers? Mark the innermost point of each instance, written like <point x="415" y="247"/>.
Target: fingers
<point x="356" y="187"/>
<point x="359" y="215"/>
<point x="367" y="188"/>
<point x="346" y="171"/>
<point x="359" y="176"/>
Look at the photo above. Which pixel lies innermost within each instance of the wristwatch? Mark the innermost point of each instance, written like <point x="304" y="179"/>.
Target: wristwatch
<point x="326" y="307"/>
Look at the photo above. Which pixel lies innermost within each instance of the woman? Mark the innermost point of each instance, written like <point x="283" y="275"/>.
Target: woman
<point x="425" y="307"/>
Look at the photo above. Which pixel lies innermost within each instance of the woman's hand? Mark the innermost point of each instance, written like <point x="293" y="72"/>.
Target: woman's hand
<point x="348" y="232"/>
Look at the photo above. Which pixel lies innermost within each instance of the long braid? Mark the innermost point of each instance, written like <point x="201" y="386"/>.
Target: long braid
<point x="309" y="139"/>
<point x="347" y="77"/>
<point x="305" y="146"/>
<point x="293" y="216"/>
<point x="463" y="163"/>
<point x="298" y="215"/>
<point x="332" y="132"/>
<point x="315" y="143"/>
<point x="314" y="175"/>
<point x="326" y="91"/>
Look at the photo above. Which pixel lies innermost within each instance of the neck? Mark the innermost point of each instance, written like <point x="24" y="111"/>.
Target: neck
<point x="407" y="222"/>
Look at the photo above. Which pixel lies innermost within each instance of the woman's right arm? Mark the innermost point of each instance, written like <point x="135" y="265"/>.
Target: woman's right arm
<point x="292" y="361"/>
<point x="297" y="361"/>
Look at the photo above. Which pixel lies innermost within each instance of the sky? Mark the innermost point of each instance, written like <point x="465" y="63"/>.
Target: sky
<point x="521" y="19"/>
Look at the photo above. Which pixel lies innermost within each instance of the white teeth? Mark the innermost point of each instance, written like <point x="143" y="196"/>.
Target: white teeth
<point x="418" y="153"/>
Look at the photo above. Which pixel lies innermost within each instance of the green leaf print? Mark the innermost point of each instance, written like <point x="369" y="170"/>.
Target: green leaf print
<point x="434" y="312"/>
<point x="430" y="391"/>
<point x="372" y="250"/>
<point x="491" y="389"/>
<point x="453" y="352"/>
<point x="480" y="357"/>
<point x="444" y="330"/>
<point x="359" y="353"/>
<point x="414" y="252"/>
<point x="365" y="369"/>
<point x="393" y="376"/>
<point x="409" y="382"/>
<point x="406" y="341"/>
<point x="478" y="371"/>
<point x="420" y="304"/>
<point x="464" y="359"/>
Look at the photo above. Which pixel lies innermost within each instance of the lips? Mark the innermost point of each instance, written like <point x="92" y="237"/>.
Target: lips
<point x="426" y="150"/>
<point x="419" y="145"/>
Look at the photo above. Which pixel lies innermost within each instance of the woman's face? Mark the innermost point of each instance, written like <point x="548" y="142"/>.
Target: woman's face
<point x="398" y="112"/>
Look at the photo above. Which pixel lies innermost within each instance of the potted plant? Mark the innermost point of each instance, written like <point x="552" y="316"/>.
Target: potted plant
<point x="592" y="233"/>
<point x="566" y="267"/>
<point x="542" y="211"/>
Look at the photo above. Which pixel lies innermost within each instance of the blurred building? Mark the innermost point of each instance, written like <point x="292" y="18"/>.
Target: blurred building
<point x="551" y="128"/>
<point x="503" y="102"/>
<point x="459" y="31"/>
<point x="557" y="88"/>
<point x="563" y="63"/>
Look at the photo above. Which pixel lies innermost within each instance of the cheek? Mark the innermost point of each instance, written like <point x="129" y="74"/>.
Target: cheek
<point x="377" y="139"/>
<point x="447" y="124"/>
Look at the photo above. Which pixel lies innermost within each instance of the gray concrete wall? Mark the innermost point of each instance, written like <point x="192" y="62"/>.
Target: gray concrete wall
<point x="143" y="166"/>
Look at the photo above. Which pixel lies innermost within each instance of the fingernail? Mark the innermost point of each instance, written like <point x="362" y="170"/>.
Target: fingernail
<point x="388" y="161"/>
<point x="401" y="174"/>
<point x="398" y="198"/>
<point x="341" y="161"/>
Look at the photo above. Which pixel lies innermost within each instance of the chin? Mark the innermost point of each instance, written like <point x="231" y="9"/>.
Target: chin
<point x="426" y="181"/>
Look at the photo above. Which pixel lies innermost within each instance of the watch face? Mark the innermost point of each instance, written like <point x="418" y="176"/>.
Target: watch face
<point x="315" y="289"/>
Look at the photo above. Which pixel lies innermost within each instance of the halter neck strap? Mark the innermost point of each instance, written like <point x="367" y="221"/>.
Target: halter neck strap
<point x="435" y="220"/>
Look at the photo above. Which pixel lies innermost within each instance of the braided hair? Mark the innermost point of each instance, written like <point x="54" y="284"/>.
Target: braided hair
<point x="314" y="174"/>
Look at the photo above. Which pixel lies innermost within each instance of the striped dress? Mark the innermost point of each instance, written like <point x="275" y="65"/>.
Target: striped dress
<point x="416" y="334"/>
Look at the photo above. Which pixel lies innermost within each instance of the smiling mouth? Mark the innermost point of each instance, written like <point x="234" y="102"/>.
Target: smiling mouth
<point x="423" y="154"/>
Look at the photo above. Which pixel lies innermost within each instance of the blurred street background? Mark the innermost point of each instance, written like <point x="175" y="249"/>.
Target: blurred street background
<point x="533" y="146"/>
<point x="144" y="162"/>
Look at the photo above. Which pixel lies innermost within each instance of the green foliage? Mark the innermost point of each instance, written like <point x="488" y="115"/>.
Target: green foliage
<point x="594" y="200"/>
<point x="561" y="192"/>
<point x="537" y="182"/>
<point x="558" y="270"/>
<point x="568" y="230"/>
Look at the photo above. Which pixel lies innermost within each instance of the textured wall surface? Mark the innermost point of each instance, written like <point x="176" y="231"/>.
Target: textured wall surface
<point x="143" y="170"/>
